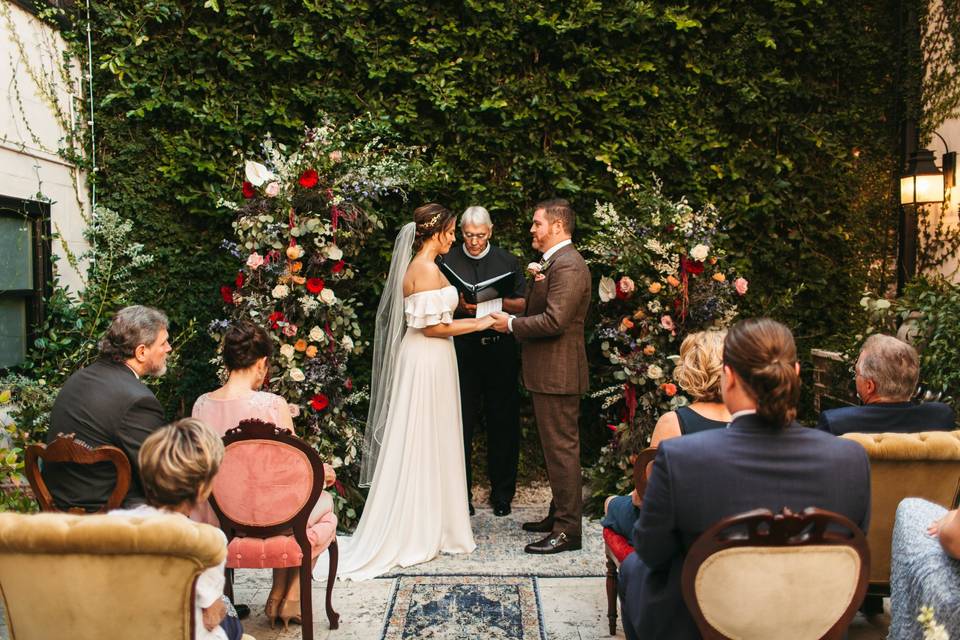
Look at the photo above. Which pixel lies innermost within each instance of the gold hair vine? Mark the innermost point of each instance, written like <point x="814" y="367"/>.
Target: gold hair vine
<point x="433" y="220"/>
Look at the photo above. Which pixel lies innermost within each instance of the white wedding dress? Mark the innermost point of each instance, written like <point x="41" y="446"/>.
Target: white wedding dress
<point x="417" y="507"/>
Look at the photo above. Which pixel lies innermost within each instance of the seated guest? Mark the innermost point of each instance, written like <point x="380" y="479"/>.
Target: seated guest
<point x="947" y="530"/>
<point x="177" y="466"/>
<point x="246" y="354"/>
<point x="763" y="460"/>
<point x="887" y="373"/>
<point x="698" y="374"/>
<point x="106" y="403"/>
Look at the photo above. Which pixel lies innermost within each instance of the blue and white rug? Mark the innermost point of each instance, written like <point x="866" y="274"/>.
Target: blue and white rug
<point x="454" y="607"/>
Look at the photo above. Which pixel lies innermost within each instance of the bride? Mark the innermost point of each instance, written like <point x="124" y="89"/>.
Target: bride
<point x="417" y="505"/>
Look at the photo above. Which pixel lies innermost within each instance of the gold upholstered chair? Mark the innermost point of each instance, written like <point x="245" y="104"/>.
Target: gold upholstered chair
<point x="904" y="465"/>
<point x="100" y="576"/>
<point x="790" y="576"/>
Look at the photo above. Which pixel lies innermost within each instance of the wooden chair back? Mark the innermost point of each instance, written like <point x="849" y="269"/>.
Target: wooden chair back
<point x="793" y="576"/>
<point x="66" y="448"/>
<point x="640" y="469"/>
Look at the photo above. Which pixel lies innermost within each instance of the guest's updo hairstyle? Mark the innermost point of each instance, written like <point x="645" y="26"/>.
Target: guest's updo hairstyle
<point x="244" y="344"/>
<point x="762" y="352"/>
<point x="700" y="365"/>
<point x="431" y="219"/>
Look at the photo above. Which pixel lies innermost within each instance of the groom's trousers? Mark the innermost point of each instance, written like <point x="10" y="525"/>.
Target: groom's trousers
<point x="558" y="423"/>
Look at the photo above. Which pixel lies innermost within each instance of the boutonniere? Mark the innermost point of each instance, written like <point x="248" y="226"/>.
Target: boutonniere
<point x="538" y="269"/>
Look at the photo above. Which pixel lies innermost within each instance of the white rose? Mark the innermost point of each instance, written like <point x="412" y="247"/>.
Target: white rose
<point x="654" y="372"/>
<point x="257" y="174"/>
<point x="347" y="343"/>
<point x="287" y="351"/>
<point x="327" y="296"/>
<point x="608" y="289"/>
<point x="297" y="375"/>
<point x="316" y="334"/>
<point x="699" y="252"/>
<point x="334" y="252"/>
<point x="534" y="267"/>
<point x="280" y="291"/>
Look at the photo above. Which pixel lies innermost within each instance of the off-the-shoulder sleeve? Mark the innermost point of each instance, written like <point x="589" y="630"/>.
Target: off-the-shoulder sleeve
<point x="426" y="309"/>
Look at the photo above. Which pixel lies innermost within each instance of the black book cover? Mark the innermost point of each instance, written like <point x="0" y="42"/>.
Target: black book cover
<point x="496" y="287"/>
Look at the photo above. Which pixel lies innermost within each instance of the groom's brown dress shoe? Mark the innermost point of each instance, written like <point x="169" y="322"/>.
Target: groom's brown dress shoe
<point x="539" y="526"/>
<point x="554" y="544"/>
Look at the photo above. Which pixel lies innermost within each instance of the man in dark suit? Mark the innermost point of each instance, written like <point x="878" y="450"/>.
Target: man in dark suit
<point x="757" y="462"/>
<point x="107" y="404"/>
<point x="887" y="373"/>
<point x="554" y="365"/>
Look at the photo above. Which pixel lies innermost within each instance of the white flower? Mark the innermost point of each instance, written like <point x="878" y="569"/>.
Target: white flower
<point x="654" y="372"/>
<point x="316" y="334"/>
<point x="700" y="252"/>
<point x="608" y="289"/>
<point x="257" y="174"/>
<point x="287" y="351"/>
<point x="327" y="296"/>
<point x="347" y="343"/>
<point x="308" y="303"/>
<point x="280" y="291"/>
<point x="297" y="375"/>
<point x="534" y="268"/>
<point x="334" y="252"/>
<point x="272" y="189"/>
<point x="882" y="303"/>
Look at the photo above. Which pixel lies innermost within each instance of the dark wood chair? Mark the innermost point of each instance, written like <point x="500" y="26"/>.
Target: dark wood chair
<point x="787" y="575"/>
<point x="66" y="448"/>
<point x="266" y="533"/>
<point x="615" y="546"/>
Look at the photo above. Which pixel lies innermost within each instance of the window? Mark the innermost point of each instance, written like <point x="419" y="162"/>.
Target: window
<point x="24" y="274"/>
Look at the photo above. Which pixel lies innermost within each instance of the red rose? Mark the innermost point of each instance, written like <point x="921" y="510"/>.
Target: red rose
<point x="275" y="318"/>
<point x="348" y="385"/>
<point x="239" y="280"/>
<point x="338" y="266"/>
<point x="227" y="294"/>
<point x="319" y="402"/>
<point x="309" y="179"/>
<point x="315" y="285"/>
<point x="693" y="267"/>
<point x="248" y="191"/>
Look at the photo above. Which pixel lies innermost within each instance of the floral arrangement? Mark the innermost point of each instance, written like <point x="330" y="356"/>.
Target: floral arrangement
<point x="665" y="278"/>
<point x="304" y="213"/>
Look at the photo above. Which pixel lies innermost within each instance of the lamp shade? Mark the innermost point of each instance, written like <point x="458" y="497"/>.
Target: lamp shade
<point x="923" y="181"/>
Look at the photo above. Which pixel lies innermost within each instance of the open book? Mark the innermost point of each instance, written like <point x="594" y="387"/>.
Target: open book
<point x="497" y="287"/>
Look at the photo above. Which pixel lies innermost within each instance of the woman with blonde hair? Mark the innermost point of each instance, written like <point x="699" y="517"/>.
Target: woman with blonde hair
<point x="698" y="374"/>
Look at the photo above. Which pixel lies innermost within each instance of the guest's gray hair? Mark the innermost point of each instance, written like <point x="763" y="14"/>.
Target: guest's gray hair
<point x="892" y="364"/>
<point x="131" y="327"/>
<point x="476" y="215"/>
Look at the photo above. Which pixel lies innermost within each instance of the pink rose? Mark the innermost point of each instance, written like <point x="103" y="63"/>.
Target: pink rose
<point x="290" y="330"/>
<point x="272" y="189"/>
<point x="255" y="260"/>
<point x="627" y="285"/>
<point x="335" y="156"/>
<point x="294" y="410"/>
<point x="667" y="323"/>
<point x="740" y="284"/>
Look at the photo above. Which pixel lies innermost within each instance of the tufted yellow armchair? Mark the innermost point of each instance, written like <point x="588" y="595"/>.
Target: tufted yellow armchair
<point x="99" y="576"/>
<point x="905" y="465"/>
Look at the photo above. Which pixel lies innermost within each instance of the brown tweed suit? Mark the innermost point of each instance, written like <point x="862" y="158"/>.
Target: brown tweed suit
<point x="555" y="372"/>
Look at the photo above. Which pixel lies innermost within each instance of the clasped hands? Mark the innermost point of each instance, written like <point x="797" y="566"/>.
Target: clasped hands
<point x="501" y="321"/>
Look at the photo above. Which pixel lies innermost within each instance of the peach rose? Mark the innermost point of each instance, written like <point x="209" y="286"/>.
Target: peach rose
<point x="626" y="324"/>
<point x="294" y="251"/>
<point x="673" y="282"/>
<point x="649" y="350"/>
<point x="300" y="345"/>
<point x="311" y="351"/>
<point x="254" y="260"/>
<point x="740" y="284"/>
<point x="655" y="287"/>
<point x="298" y="279"/>
<point x="719" y="277"/>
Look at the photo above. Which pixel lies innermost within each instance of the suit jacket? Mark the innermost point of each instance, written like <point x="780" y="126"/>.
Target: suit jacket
<point x="702" y="478"/>
<point x="103" y="404"/>
<point x="888" y="417"/>
<point x="551" y="330"/>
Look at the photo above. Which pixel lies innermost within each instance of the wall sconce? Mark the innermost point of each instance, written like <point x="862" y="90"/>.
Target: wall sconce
<point x="924" y="182"/>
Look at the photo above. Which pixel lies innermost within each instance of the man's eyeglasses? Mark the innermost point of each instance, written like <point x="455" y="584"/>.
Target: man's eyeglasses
<point x="476" y="236"/>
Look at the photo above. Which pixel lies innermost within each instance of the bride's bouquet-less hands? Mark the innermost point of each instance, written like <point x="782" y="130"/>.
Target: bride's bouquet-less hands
<point x="304" y="213"/>
<point x="664" y="276"/>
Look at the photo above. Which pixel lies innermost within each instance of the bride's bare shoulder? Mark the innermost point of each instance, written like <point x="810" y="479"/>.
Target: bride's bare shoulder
<point x="421" y="275"/>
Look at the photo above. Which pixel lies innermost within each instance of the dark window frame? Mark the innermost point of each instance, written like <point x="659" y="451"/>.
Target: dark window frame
<point x="38" y="215"/>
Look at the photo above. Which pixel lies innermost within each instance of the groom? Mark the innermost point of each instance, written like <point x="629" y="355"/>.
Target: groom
<point x="555" y="366"/>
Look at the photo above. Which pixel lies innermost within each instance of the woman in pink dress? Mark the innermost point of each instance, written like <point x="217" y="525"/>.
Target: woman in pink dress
<point x="246" y="353"/>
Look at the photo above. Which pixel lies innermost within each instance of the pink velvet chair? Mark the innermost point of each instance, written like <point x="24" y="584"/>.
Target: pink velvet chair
<point x="265" y="496"/>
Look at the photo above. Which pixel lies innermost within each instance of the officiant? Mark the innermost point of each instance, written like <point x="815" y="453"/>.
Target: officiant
<point x="488" y="361"/>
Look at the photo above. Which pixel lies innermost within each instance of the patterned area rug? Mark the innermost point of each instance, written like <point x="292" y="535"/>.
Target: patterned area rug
<point x="453" y="607"/>
<point x="499" y="551"/>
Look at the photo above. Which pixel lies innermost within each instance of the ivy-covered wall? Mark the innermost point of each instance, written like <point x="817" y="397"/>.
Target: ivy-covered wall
<point x="779" y="111"/>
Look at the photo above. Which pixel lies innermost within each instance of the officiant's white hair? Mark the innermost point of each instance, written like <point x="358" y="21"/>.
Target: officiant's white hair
<point x="476" y="215"/>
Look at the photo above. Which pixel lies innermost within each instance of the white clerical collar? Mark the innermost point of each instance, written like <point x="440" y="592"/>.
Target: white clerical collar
<point x="741" y="413"/>
<point x="552" y="250"/>
<point x="483" y="254"/>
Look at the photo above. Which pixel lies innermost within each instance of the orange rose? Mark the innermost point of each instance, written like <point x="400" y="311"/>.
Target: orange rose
<point x="655" y="287"/>
<point x="626" y="324"/>
<point x="300" y="345"/>
<point x="311" y="351"/>
<point x="673" y="282"/>
<point x="649" y="350"/>
<point x="296" y="266"/>
<point x="669" y="388"/>
<point x="719" y="277"/>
